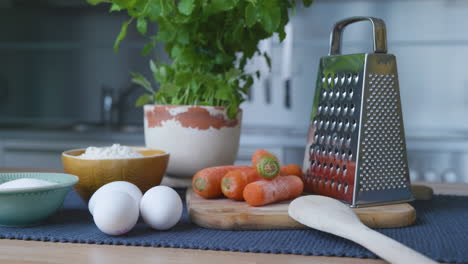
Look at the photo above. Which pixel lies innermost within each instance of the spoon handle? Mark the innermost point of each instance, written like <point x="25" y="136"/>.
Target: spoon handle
<point x="385" y="247"/>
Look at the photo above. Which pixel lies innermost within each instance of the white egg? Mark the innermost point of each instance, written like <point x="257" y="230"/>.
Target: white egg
<point x="122" y="186"/>
<point x="115" y="213"/>
<point x="25" y="183"/>
<point x="161" y="207"/>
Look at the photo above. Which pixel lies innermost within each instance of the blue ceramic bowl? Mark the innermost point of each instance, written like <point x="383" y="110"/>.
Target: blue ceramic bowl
<point x="31" y="205"/>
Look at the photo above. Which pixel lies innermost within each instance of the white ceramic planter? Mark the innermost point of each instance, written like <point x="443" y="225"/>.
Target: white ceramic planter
<point x="196" y="137"/>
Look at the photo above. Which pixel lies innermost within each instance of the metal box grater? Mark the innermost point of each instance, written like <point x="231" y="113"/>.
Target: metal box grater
<point x="356" y="149"/>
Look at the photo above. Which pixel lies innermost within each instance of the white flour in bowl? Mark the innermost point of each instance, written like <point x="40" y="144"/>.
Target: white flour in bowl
<point x="116" y="151"/>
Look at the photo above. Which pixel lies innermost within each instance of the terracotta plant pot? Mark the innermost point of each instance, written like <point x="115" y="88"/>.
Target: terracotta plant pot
<point x="196" y="136"/>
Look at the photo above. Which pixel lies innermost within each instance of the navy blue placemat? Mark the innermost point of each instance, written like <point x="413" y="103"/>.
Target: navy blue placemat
<point x="441" y="232"/>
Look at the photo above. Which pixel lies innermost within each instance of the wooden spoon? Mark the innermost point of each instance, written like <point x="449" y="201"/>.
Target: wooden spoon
<point x="332" y="216"/>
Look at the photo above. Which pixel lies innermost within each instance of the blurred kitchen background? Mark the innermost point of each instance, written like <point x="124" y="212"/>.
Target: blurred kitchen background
<point x="63" y="87"/>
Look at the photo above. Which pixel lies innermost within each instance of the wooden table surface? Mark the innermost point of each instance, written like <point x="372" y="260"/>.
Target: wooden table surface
<point x="22" y="252"/>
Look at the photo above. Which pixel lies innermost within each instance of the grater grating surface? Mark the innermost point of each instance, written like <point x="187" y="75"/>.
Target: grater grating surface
<point x="335" y="123"/>
<point x="356" y="148"/>
<point x="382" y="146"/>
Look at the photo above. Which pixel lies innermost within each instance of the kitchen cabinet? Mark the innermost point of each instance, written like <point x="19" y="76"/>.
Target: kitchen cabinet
<point x="30" y="153"/>
<point x="32" y="149"/>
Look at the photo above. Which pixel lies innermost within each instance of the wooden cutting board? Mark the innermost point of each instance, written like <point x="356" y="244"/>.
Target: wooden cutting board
<point x="234" y="215"/>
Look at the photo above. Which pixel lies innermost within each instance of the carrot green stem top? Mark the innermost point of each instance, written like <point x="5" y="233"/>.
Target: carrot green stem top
<point x="226" y="184"/>
<point x="200" y="184"/>
<point x="268" y="167"/>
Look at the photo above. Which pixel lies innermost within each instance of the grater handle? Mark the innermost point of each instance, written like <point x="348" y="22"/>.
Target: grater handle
<point x="380" y="34"/>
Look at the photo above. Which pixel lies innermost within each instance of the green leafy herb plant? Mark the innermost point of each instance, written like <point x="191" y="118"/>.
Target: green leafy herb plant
<point x="209" y="43"/>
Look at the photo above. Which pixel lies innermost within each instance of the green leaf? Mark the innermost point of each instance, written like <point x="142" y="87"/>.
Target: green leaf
<point x="142" y="81"/>
<point x="147" y="48"/>
<point x="237" y="32"/>
<point x="176" y="51"/>
<point x="167" y="6"/>
<point x="250" y="15"/>
<point x="232" y="111"/>
<point x="182" y="78"/>
<point x="183" y="19"/>
<point x="257" y="73"/>
<point x="154" y="10"/>
<point x="170" y="89"/>
<point x="270" y="18"/>
<point x="143" y="100"/>
<point x="125" y="3"/>
<point x="223" y="94"/>
<point x="194" y="85"/>
<point x="166" y="32"/>
<point x="293" y="8"/>
<point x="96" y="2"/>
<point x="153" y="66"/>
<point x="122" y="34"/>
<point x="219" y="44"/>
<point x="162" y="73"/>
<point x="142" y="25"/>
<point x="186" y="6"/>
<point x="222" y="58"/>
<point x="232" y="75"/>
<point x="307" y="3"/>
<point x="183" y="36"/>
<point x="217" y="6"/>
<point x="248" y="84"/>
<point x="282" y="34"/>
<point x="165" y="35"/>
<point x="159" y="98"/>
<point x="268" y="60"/>
<point x="115" y="7"/>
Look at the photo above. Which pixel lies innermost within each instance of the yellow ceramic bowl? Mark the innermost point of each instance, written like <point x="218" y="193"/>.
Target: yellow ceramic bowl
<point x="144" y="172"/>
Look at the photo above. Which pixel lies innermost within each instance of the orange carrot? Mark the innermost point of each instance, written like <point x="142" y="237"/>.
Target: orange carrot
<point x="207" y="182"/>
<point x="266" y="164"/>
<point x="280" y="188"/>
<point x="258" y="154"/>
<point x="233" y="182"/>
<point x="291" y="169"/>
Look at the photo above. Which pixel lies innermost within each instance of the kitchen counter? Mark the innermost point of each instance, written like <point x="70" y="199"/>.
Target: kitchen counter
<point x="22" y="252"/>
<point x="31" y="252"/>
